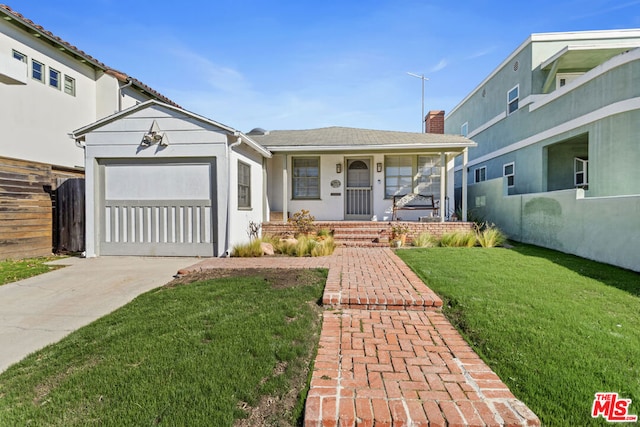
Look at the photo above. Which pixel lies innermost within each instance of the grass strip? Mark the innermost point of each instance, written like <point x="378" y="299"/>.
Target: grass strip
<point x="14" y="270"/>
<point x="556" y="328"/>
<point x="194" y="354"/>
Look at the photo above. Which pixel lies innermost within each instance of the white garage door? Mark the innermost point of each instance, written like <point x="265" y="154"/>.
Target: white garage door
<point x="158" y="209"/>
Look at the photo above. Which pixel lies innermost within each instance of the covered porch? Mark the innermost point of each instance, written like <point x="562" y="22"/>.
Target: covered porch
<point x="347" y="174"/>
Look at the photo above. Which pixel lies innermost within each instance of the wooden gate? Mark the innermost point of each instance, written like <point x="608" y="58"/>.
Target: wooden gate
<point x="69" y="216"/>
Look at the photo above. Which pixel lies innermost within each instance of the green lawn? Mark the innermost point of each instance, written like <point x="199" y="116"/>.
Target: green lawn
<point x="191" y="354"/>
<point x="14" y="270"/>
<point x="556" y="328"/>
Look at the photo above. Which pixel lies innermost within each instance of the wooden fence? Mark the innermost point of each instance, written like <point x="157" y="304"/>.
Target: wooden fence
<point x="27" y="202"/>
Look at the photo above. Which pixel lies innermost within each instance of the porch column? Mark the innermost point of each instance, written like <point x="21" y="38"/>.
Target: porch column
<point x="285" y="188"/>
<point x="465" y="160"/>
<point x="443" y="184"/>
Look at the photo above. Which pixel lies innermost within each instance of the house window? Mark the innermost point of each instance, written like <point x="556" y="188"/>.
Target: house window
<point x="398" y="175"/>
<point x="244" y="185"/>
<point x="580" y="172"/>
<point x="480" y="174"/>
<point x="512" y="99"/>
<point x="20" y="56"/>
<point x="54" y="78"/>
<point x="509" y="171"/>
<point x="464" y="129"/>
<point x="306" y="178"/>
<point x="37" y="71"/>
<point x="70" y="85"/>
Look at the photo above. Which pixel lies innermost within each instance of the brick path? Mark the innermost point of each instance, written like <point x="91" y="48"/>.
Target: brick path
<point x="387" y="356"/>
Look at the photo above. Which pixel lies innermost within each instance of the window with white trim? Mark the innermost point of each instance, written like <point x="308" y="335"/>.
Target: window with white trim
<point x="512" y="99"/>
<point x="20" y="56"/>
<point x="306" y="178"/>
<point x="480" y="174"/>
<point x="509" y="172"/>
<point x="69" y="85"/>
<point x="464" y="129"/>
<point x="37" y="71"/>
<point x="54" y="78"/>
<point x="580" y="172"/>
<point x="408" y="174"/>
<point x="398" y="175"/>
<point x="244" y="185"/>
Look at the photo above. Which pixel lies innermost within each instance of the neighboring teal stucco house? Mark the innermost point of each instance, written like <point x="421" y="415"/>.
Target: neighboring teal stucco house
<point x="557" y="125"/>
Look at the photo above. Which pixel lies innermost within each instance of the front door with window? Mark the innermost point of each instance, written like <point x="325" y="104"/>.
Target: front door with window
<point x="358" y="189"/>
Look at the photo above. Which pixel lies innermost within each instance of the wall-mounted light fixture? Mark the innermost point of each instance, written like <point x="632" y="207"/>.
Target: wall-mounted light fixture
<point x="379" y="167"/>
<point x="338" y="167"/>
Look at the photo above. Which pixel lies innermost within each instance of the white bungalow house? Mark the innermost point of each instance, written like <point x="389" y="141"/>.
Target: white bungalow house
<point x="165" y="181"/>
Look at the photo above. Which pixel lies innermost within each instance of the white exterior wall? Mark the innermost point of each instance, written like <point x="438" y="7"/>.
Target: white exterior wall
<point x="332" y="207"/>
<point x="35" y="118"/>
<point x="240" y="218"/>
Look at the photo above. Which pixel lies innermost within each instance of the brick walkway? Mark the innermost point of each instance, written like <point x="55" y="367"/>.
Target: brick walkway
<point x="387" y="355"/>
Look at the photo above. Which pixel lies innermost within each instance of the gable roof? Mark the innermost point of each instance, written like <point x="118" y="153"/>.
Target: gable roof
<point x="350" y="139"/>
<point x="40" y="32"/>
<point x="78" y="134"/>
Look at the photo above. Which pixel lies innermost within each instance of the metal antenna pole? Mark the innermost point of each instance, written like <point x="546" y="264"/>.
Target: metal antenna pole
<point x="423" y="123"/>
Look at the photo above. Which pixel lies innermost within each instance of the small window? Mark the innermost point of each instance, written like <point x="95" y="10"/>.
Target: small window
<point x="509" y="171"/>
<point x="464" y="129"/>
<point x="37" y="71"/>
<point x="70" y="85"/>
<point x="244" y="185"/>
<point x="20" y="56"/>
<point x="480" y="174"/>
<point x="306" y="178"/>
<point x="580" y="172"/>
<point x="54" y="78"/>
<point x="512" y="99"/>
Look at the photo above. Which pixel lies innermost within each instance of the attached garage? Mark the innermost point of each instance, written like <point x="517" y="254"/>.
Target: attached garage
<point x="162" y="181"/>
<point x="158" y="208"/>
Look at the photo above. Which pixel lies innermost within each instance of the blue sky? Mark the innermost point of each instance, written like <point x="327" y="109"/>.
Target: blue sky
<point x="306" y="64"/>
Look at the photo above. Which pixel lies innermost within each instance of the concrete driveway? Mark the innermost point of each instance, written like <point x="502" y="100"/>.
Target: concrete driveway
<point x="41" y="310"/>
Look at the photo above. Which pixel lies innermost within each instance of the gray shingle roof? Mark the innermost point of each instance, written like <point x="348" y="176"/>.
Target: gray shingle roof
<point x="343" y="137"/>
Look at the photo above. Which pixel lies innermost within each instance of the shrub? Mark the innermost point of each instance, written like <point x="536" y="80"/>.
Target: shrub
<point x="458" y="239"/>
<point x="424" y="240"/>
<point x="246" y="250"/>
<point x="490" y="236"/>
<point x="302" y="222"/>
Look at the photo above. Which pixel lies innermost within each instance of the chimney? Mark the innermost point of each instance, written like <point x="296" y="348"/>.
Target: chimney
<point x="434" y="122"/>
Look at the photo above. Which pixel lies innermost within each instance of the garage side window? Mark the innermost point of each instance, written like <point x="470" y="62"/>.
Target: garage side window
<point x="306" y="178"/>
<point x="244" y="185"/>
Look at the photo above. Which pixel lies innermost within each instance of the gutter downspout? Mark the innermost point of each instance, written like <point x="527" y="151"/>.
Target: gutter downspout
<point x="121" y="94"/>
<point x="230" y="147"/>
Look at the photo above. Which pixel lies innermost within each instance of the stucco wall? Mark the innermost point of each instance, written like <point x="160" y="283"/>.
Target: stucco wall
<point x="605" y="229"/>
<point x="35" y="118"/>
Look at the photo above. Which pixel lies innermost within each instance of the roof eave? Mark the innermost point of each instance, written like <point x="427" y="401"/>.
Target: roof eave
<point x="451" y="146"/>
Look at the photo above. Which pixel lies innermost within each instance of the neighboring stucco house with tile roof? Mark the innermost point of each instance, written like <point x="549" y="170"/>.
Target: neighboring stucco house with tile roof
<point x="48" y="88"/>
